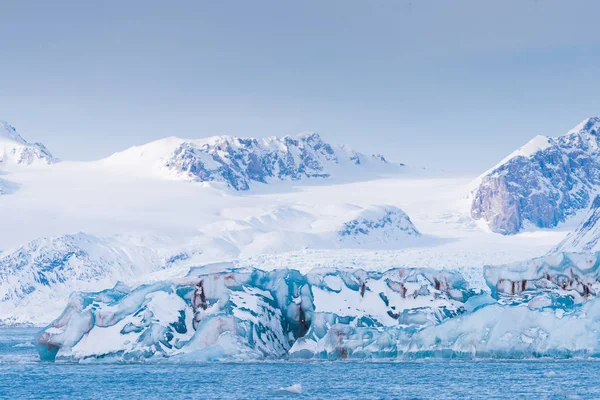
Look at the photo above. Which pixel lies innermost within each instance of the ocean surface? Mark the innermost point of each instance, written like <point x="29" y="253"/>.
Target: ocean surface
<point x="23" y="376"/>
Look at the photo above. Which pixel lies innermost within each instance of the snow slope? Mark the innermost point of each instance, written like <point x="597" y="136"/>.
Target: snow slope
<point x="35" y="279"/>
<point x="586" y="236"/>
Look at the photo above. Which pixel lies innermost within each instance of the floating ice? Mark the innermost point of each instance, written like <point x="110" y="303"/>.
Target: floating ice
<point x="293" y="389"/>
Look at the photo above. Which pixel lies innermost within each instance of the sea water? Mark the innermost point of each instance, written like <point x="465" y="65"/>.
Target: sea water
<point x="23" y="376"/>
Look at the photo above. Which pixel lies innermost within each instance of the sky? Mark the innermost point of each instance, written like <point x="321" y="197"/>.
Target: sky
<point x="453" y="85"/>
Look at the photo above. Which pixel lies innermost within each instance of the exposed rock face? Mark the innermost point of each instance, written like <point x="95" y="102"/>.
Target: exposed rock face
<point x="586" y="237"/>
<point x="14" y="150"/>
<point x="543" y="183"/>
<point x="239" y="161"/>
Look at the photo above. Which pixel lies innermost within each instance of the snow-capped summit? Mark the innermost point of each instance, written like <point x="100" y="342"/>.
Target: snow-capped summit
<point x="240" y="161"/>
<point x="14" y="150"/>
<point x="542" y="183"/>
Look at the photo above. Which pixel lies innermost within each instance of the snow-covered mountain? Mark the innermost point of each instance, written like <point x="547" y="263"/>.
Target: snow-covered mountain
<point x="586" y="237"/>
<point x="542" y="183"/>
<point x="237" y="161"/>
<point x="14" y="150"/>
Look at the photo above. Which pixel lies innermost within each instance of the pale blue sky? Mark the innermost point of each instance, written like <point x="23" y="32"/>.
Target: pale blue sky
<point x="450" y="84"/>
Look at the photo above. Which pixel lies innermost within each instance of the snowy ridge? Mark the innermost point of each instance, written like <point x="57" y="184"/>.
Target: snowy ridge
<point x="586" y="237"/>
<point x="545" y="307"/>
<point x="14" y="150"/>
<point x="238" y="162"/>
<point x="543" y="183"/>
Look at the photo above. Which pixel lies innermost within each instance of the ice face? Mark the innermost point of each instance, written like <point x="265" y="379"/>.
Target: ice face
<point x="557" y="281"/>
<point x="240" y="314"/>
<point x="542" y="307"/>
<point x="248" y="314"/>
<point x="361" y="314"/>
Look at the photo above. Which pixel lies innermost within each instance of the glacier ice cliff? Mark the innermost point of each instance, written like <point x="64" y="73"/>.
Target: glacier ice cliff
<point x="250" y="314"/>
<point x="542" y="183"/>
<point x="545" y="307"/>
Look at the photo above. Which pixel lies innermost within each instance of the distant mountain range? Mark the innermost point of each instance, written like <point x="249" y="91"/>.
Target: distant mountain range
<point x="234" y="161"/>
<point x="543" y="183"/>
<point x="538" y="186"/>
<point x="239" y="162"/>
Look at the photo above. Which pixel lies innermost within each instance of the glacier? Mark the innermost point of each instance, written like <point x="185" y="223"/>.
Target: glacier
<point x="544" y="307"/>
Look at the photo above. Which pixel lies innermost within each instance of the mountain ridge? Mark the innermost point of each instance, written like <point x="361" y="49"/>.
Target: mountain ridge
<point x="14" y="150"/>
<point x="240" y="162"/>
<point x="543" y="183"/>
